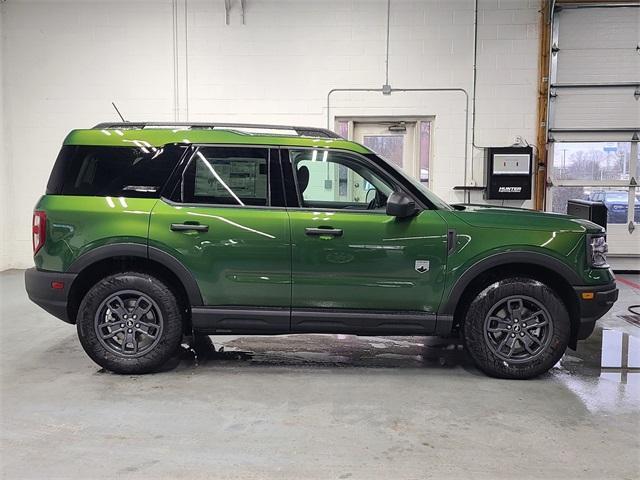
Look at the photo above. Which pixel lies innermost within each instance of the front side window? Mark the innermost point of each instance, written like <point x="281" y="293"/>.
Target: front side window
<point x="226" y="176"/>
<point x="338" y="180"/>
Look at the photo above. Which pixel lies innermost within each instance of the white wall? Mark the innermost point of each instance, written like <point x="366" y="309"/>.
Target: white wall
<point x="5" y="172"/>
<point x="65" y="61"/>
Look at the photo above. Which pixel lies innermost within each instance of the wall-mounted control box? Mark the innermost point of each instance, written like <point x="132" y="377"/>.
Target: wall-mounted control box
<point x="509" y="172"/>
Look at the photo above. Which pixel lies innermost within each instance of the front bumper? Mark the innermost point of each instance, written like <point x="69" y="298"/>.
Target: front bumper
<point x="38" y="284"/>
<point x="592" y="309"/>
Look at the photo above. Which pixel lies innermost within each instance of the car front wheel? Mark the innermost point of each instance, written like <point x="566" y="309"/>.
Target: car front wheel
<point x="130" y="323"/>
<point x="516" y="328"/>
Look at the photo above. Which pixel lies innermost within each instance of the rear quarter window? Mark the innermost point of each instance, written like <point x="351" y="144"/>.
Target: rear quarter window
<point x="139" y="171"/>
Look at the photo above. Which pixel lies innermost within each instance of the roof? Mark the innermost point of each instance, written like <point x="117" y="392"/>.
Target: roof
<point x="159" y="134"/>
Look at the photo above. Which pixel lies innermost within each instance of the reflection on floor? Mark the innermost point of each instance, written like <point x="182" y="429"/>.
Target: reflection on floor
<point x="610" y="354"/>
<point x="620" y="357"/>
<point x="613" y="354"/>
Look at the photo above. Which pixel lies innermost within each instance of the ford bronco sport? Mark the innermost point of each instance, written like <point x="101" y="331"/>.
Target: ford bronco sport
<point x="150" y="232"/>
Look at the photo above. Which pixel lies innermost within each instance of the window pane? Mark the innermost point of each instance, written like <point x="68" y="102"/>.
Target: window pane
<point x="425" y="146"/>
<point x="112" y="171"/>
<point x="591" y="161"/>
<point x="343" y="129"/>
<point x="336" y="180"/>
<point x="228" y="176"/>
<point x="616" y="200"/>
<point x="389" y="147"/>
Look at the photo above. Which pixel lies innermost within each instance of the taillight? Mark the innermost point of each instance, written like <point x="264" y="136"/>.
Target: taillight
<point x="39" y="230"/>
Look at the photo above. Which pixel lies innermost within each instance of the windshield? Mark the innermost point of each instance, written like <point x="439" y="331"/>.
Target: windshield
<point x="433" y="198"/>
<point x="621" y="197"/>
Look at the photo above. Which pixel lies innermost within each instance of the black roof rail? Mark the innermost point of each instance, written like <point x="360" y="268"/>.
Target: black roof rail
<point x="300" y="131"/>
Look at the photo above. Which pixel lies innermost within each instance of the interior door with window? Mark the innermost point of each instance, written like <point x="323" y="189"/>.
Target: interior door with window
<point x="349" y="255"/>
<point x="226" y="223"/>
<point x="404" y="142"/>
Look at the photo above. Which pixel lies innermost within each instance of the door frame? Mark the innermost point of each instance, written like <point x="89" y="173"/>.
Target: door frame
<point x="378" y="119"/>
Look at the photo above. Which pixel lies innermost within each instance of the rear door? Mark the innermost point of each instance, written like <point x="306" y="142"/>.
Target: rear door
<point x="354" y="268"/>
<point x="224" y="220"/>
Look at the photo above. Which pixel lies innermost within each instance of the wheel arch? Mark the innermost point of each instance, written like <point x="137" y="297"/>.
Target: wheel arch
<point x="108" y="259"/>
<point x="548" y="270"/>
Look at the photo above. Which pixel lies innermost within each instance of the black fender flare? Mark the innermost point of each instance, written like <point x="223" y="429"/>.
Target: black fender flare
<point x="505" y="258"/>
<point x="146" y="252"/>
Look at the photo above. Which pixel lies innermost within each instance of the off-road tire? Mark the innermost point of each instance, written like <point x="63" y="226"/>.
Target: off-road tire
<point x="479" y="343"/>
<point x="168" y="337"/>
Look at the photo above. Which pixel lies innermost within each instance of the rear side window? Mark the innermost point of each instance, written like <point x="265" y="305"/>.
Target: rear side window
<point x="226" y="176"/>
<point x="139" y="171"/>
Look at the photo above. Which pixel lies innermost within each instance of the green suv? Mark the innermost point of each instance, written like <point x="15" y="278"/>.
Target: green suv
<point x="151" y="232"/>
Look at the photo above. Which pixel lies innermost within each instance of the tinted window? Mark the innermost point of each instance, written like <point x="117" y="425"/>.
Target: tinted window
<point x="226" y="176"/>
<point x="139" y="171"/>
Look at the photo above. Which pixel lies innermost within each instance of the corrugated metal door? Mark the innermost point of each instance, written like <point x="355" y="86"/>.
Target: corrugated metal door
<point x="594" y="118"/>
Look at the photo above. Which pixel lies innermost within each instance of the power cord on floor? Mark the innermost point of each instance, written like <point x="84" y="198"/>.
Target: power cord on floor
<point x="634" y="309"/>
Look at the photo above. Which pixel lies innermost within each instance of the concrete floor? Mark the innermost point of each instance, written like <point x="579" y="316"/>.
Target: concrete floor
<point x="313" y="406"/>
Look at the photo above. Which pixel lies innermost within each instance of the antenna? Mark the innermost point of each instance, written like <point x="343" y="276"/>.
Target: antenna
<point x="118" y="112"/>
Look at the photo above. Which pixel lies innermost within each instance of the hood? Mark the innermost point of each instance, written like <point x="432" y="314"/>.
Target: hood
<point x="491" y="216"/>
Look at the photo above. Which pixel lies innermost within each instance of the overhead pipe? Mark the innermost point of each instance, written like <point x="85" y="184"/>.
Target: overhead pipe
<point x="387" y="90"/>
<point x="174" y="17"/>
<point x="186" y="59"/>
<point x="386" y="82"/>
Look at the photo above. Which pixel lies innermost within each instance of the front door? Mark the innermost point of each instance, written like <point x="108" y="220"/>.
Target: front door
<point x="353" y="266"/>
<point x="223" y="224"/>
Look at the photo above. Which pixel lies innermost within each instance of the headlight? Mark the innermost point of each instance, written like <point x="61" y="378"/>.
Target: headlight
<point x="597" y="249"/>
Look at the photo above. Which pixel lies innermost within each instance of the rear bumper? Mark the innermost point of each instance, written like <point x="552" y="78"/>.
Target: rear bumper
<point x="604" y="296"/>
<point x="53" y="300"/>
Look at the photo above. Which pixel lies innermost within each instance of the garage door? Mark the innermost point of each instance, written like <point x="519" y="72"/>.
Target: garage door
<point x="594" y="119"/>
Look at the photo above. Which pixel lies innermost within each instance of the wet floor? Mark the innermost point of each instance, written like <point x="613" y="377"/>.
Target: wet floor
<point x="314" y="406"/>
<point x="607" y="362"/>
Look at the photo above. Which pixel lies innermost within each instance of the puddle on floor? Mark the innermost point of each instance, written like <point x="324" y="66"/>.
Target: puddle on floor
<point x="335" y="351"/>
<point x="608" y="354"/>
<point x="604" y="372"/>
<point x="611" y="355"/>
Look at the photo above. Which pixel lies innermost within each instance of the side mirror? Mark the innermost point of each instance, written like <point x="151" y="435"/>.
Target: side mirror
<point x="400" y="206"/>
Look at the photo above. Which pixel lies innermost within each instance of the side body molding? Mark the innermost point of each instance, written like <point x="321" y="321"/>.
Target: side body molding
<point x="141" y="251"/>
<point x="504" y="258"/>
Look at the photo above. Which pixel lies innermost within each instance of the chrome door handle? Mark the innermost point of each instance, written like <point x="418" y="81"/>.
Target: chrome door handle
<point x="334" y="232"/>
<point x="185" y="227"/>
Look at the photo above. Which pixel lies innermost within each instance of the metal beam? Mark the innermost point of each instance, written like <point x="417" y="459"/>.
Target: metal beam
<point x="595" y="130"/>
<point x="227" y="11"/>
<point x="597" y="85"/>
<point x="540" y="172"/>
<point x="595" y="4"/>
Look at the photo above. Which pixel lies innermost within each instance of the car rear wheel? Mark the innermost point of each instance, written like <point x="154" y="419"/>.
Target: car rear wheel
<point x="516" y="328"/>
<point x="130" y="323"/>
